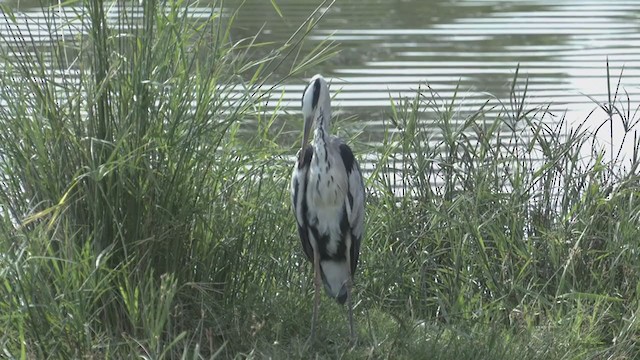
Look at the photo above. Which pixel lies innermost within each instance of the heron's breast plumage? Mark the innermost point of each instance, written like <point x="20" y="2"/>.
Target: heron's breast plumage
<point x="326" y="194"/>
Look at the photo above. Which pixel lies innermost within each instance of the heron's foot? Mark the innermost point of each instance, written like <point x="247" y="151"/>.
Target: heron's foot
<point x="353" y="341"/>
<point x="310" y="340"/>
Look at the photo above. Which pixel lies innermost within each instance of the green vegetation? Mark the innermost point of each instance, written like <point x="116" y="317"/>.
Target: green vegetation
<point x="140" y="217"/>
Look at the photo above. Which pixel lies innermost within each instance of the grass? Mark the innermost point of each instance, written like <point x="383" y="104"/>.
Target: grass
<point x="141" y="219"/>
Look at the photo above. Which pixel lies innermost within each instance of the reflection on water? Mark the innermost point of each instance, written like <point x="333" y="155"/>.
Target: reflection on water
<point x="471" y="47"/>
<point x="389" y="47"/>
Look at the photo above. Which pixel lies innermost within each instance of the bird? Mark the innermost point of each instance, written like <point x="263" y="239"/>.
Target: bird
<point x="328" y="201"/>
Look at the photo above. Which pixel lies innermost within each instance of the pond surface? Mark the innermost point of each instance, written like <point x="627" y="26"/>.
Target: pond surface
<point x="388" y="48"/>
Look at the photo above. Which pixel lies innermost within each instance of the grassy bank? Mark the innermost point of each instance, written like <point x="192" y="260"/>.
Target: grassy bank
<point x="139" y="219"/>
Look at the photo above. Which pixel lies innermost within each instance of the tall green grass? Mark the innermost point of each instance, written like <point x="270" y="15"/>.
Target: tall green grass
<point x="130" y="205"/>
<point x="141" y="217"/>
<point x="504" y="222"/>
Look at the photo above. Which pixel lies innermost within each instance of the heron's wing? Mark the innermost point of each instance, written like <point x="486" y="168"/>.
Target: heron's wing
<point x="299" y="202"/>
<point x="354" y="202"/>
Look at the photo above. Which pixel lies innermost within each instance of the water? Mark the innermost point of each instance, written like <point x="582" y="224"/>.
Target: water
<point x="388" y="48"/>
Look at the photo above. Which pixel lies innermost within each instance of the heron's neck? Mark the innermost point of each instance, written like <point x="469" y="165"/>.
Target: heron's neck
<point x="321" y="138"/>
<point x="321" y="134"/>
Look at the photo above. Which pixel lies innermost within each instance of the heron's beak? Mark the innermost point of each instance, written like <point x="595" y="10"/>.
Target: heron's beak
<point x="308" y="122"/>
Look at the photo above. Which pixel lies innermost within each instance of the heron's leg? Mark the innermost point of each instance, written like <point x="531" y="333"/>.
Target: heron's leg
<point x="352" y="329"/>
<point x="316" y="296"/>
<point x="349" y="285"/>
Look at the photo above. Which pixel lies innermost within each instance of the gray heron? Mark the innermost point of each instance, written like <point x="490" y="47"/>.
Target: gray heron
<point x="327" y="194"/>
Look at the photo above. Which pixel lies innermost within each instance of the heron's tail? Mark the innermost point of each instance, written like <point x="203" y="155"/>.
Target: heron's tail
<point x="335" y="275"/>
<point x="342" y="296"/>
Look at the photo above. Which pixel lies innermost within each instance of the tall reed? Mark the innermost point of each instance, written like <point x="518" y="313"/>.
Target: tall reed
<point x="125" y="185"/>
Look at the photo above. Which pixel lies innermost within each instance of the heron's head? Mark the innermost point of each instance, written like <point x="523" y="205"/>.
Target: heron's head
<point x="316" y="106"/>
